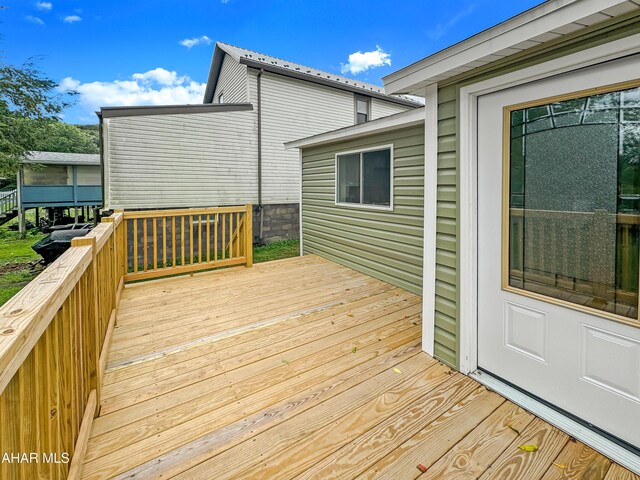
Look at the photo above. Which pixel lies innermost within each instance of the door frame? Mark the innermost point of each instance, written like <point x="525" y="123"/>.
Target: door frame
<point x="468" y="174"/>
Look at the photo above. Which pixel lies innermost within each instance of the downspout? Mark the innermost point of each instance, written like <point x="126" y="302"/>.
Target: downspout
<point x="260" y="153"/>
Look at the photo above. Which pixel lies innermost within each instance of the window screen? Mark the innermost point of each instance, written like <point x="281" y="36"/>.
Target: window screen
<point x="365" y="178"/>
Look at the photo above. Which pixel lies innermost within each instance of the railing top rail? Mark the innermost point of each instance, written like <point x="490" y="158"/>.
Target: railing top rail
<point x="8" y="193"/>
<point x="25" y="317"/>
<point x="101" y="233"/>
<point x="183" y="211"/>
<point x="623" y="218"/>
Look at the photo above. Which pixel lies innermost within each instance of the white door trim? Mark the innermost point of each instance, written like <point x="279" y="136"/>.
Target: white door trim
<point x="430" y="215"/>
<point x="468" y="275"/>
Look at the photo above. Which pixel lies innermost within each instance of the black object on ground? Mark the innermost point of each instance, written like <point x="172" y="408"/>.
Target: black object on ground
<point x="54" y="245"/>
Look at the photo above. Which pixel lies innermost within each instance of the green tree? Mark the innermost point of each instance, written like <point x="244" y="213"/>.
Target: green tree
<point x="55" y="136"/>
<point x="28" y="101"/>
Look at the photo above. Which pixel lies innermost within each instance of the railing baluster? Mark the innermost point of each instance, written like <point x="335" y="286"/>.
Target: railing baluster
<point x="191" y="239"/>
<point x="174" y="234"/>
<point x="223" y="245"/>
<point x="164" y="242"/>
<point x="208" y="238"/>
<point x="215" y="237"/>
<point x="230" y="242"/>
<point x="155" y="244"/>
<point x="144" y="245"/>
<point x="135" y="245"/>
<point x="182" y="240"/>
<point x="199" y="238"/>
<point x="237" y="239"/>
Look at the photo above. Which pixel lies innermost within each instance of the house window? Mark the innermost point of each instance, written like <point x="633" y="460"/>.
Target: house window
<point x="221" y="98"/>
<point x="365" y="178"/>
<point x="363" y="108"/>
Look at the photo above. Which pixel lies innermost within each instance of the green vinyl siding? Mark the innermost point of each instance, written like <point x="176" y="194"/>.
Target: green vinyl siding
<point x="384" y="244"/>
<point x="446" y="302"/>
<point x="447" y="227"/>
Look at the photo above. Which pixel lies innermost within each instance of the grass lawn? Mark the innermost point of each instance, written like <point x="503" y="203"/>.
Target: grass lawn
<point x="15" y="258"/>
<point x="276" y="251"/>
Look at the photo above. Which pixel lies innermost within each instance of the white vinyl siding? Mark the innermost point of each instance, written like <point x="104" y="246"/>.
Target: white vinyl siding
<point x="232" y="83"/>
<point x="252" y="86"/>
<point x="380" y="108"/>
<point x="183" y="160"/>
<point x="88" y="175"/>
<point x="293" y="109"/>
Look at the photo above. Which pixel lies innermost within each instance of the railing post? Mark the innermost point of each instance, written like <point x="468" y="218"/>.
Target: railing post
<point x="248" y="233"/>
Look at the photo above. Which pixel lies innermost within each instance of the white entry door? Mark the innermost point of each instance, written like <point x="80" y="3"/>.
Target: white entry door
<point x="558" y="242"/>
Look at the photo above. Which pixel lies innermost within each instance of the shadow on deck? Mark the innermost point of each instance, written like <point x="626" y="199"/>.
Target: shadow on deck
<point x="302" y="368"/>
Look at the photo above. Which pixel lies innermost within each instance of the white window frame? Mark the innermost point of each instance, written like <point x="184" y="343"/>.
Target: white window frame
<point x="365" y="98"/>
<point x="365" y="206"/>
<point x="221" y="97"/>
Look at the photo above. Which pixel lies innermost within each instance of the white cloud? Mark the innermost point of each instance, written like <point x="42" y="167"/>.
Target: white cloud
<point x="36" y="20"/>
<point x="160" y="76"/>
<point x="362" y="61"/>
<point x="442" y="28"/>
<point x="192" y="42"/>
<point x="44" y="5"/>
<point x="155" y="87"/>
<point x="72" y="18"/>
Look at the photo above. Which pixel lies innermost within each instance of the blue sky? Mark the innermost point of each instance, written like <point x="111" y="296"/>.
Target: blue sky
<point x="134" y="51"/>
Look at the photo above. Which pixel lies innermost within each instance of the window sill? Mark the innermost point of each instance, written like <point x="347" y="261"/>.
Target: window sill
<point x="361" y="206"/>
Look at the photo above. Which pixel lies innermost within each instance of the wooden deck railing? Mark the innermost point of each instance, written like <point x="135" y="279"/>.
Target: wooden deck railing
<point x="53" y="336"/>
<point x="578" y="242"/>
<point x="8" y="201"/>
<point x="55" y="333"/>
<point x="168" y="242"/>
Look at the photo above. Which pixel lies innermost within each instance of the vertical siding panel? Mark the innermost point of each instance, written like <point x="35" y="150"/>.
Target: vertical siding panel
<point x="446" y="337"/>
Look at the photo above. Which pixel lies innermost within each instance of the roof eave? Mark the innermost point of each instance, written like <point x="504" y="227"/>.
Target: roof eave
<point x="328" y="83"/>
<point x="385" y="124"/>
<point x="214" y="73"/>
<point x="111" y="112"/>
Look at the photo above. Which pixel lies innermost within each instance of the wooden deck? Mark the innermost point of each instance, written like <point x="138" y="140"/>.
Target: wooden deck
<point x="302" y="368"/>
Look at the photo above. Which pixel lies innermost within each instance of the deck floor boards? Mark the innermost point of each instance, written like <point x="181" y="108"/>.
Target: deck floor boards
<point x="302" y="368"/>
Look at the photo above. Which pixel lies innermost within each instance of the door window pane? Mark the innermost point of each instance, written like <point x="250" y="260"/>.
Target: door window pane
<point x="574" y="201"/>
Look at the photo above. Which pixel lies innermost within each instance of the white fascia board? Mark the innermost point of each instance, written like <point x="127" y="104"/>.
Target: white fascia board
<point x="530" y="24"/>
<point x="380" y="125"/>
